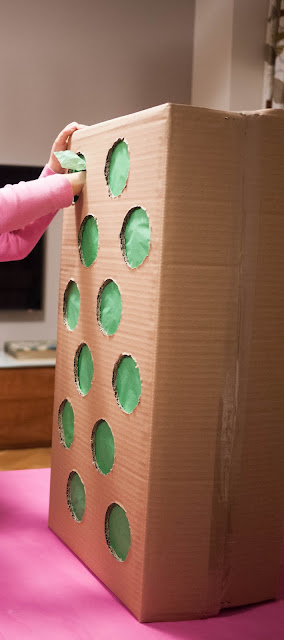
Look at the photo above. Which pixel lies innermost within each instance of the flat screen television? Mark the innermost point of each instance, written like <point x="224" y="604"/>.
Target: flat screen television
<point x="21" y="281"/>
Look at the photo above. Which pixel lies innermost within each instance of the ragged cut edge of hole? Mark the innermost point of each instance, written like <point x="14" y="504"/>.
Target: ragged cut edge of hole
<point x="121" y="551"/>
<point x="76" y="368"/>
<point x="81" y="155"/>
<point x="69" y="436"/>
<point x="107" y="168"/>
<point x="99" y="301"/>
<point x="118" y="363"/>
<point x="103" y="456"/>
<point x="90" y="252"/>
<point x="75" y="476"/>
<point x="67" y="291"/>
<point x="122" y="237"/>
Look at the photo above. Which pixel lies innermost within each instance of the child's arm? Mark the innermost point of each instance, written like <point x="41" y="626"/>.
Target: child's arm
<point x="27" y="208"/>
<point x="17" y="245"/>
<point x="48" y="195"/>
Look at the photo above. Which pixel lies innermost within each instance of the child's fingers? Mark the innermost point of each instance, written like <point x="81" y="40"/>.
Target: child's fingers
<point x="66" y="132"/>
<point x="62" y="138"/>
<point x="61" y="144"/>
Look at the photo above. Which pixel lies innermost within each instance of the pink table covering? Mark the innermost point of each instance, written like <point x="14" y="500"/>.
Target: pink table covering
<point x="47" y="593"/>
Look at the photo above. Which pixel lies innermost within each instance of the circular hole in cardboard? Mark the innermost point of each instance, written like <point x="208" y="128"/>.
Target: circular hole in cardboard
<point x="88" y="240"/>
<point x="126" y="383"/>
<point x="83" y="369"/>
<point x="66" y="423"/>
<point x="102" y="443"/>
<point x="117" y="167"/>
<point x="71" y="305"/>
<point x="109" y="307"/>
<point x="76" y="496"/>
<point x="135" y="237"/>
<point x="117" y="532"/>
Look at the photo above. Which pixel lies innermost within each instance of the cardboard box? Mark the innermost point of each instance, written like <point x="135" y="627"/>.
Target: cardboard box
<point x="198" y="464"/>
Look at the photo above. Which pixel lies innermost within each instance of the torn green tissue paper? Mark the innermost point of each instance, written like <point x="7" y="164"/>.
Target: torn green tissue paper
<point x="104" y="447"/>
<point x="128" y="384"/>
<point x="85" y="369"/>
<point x="70" y="160"/>
<point x="68" y="423"/>
<point x="110" y="308"/>
<point x="77" y="496"/>
<point x="136" y="237"/>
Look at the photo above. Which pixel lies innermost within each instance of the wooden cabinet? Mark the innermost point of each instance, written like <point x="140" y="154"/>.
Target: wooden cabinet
<point x="26" y="406"/>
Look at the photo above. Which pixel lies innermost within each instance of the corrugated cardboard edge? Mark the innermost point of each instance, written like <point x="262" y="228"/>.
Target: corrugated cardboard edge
<point x="141" y="617"/>
<point x="121" y="122"/>
<point x="232" y="446"/>
<point x="219" y="564"/>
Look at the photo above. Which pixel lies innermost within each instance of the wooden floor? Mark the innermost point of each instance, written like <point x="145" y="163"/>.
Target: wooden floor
<point x="25" y="459"/>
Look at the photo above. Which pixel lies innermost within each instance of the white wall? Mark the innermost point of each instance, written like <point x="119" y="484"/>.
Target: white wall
<point x="91" y="60"/>
<point x="213" y="37"/>
<point x="249" y="33"/>
<point x="228" y="54"/>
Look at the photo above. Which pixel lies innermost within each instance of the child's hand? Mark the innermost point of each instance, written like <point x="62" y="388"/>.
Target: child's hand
<point x="77" y="181"/>
<point x="61" y="144"/>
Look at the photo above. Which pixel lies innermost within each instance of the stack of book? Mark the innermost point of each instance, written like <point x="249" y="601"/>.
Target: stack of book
<point x="31" y="350"/>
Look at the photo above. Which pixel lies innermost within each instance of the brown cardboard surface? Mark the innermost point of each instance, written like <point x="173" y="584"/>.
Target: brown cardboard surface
<point x="256" y="499"/>
<point x="198" y="463"/>
<point x="196" y="351"/>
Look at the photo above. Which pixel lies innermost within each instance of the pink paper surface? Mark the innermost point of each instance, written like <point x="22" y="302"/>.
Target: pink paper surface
<point x="47" y="593"/>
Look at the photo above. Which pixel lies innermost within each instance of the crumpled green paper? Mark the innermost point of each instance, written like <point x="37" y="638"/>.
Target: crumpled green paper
<point x="118" y="169"/>
<point x="110" y="308"/>
<point x="70" y="160"/>
<point x="89" y="239"/>
<point x="119" y="532"/>
<point x="104" y="447"/>
<point x="77" y="496"/>
<point x="72" y="301"/>
<point x="136" y="236"/>
<point x="68" y="424"/>
<point x="85" y="370"/>
<point x="128" y="384"/>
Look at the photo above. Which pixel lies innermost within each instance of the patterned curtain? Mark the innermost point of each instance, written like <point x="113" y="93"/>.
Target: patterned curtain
<point x="273" y="90"/>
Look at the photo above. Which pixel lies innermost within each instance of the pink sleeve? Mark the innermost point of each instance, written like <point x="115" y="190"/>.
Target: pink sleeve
<point x="26" y="210"/>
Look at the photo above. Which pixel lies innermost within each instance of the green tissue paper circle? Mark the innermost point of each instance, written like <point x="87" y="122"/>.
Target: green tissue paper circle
<point x="135" y="237"/>
<point x="72" y="305"/>
<point x="76" y="496"/>
<point x="118" y="169"/>
<point x="103" y="447"/>
<point x="110" y="308"/>
<point x="128" y="384"/>
<point x="88" y="241"/>
<point x="67" y="418"/>
<point x="118" y="532"/>
<point x="85" y="370"/>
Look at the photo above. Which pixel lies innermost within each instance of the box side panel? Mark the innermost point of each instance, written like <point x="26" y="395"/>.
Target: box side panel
<point x="253" y="552"/>
<point x="195" y="366"/>
<point x="126" y="484"/>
